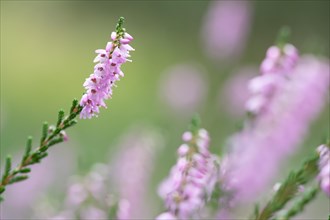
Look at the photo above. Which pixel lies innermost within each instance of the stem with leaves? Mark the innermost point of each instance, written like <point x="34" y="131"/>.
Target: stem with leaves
<point x="298" y="205"/>
<point x="289" y="188"/>
<point x="49" y="138"/>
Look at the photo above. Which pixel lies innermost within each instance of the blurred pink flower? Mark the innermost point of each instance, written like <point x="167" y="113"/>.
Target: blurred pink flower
<point x="89" y="196"/>
<point x="132" y="170"/>
<point x="280" y="60"/>
<point x="19" y="200"/>
<point x="324" y="167"/>
<point x="226" y="28"/>
<point x="166" y="216"/>
<point x="270" y="137"/>
<point x="192" y="179"/>
<point x="183" y="87"/>
<point x="275" y="69"/>
<point x="93" y="213"/>
<point x="234" y="94"/>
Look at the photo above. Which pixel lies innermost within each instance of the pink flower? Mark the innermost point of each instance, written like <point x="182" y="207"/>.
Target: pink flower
<point x="90" y="196"/>
<point x="324" y="167"/>
<point x="166" y="216"/>
<point x="91" y="212"/>
<point x="183" y="88"/>
<point x="132" y="170"/>
<point x="234" y="93"/>
<point x="226" y="28"/>
<point x="279" y="60"/>
<point x="192" y="179"/>
<point x="106" y="72"/>
<point x="275" y="68"/>
<point x="271" y="136"/>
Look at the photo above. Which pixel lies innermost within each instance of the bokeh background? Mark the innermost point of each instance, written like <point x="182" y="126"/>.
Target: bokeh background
<point x="185" y="62"/>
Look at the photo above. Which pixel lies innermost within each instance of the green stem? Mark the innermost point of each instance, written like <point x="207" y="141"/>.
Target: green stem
<point x="15" y="175"/>
<point x="289" y="188"/>
<point x="299" y="204"/>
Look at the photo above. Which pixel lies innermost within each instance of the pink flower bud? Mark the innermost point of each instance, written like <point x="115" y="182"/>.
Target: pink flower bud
<point x="187" y="136"/>
<point x="183" y="150"/>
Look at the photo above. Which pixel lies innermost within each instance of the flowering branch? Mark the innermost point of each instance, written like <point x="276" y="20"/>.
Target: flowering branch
<point x="99" y="87"/>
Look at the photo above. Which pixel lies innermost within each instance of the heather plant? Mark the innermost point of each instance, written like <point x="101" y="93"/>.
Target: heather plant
<point x="282" y="103"/>
<point x="98" y="88"/>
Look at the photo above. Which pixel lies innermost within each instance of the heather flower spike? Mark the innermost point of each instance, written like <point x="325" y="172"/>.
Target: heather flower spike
<point x="282" y="57"/>
<point x="278" y="64"/>
<point x="89" y="196"/>
<point x="107" y="71"/>
<point x="192" y="180"/>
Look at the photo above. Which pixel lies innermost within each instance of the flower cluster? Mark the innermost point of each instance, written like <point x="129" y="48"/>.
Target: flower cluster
<point x="106" y="192"/>
<point x="106" y="72"/>
<point x="132" y="170"/>
<point x="276" y="133"/>
<point x="279" y="63"/>
<point x="192" y="179"/>
<point x="89" y="197"/>
<point x="324" y="167"/>
<point x="279" y="60"/>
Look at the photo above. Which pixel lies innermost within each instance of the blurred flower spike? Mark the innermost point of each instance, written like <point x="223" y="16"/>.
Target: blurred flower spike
<point x="106" y="72"/>
<point x="193" y="178"/>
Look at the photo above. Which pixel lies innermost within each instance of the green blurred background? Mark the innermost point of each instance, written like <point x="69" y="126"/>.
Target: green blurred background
<point x="47" y="49"/>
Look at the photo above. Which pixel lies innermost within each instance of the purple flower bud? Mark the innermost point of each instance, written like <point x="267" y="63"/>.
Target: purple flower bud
<point x="64" y="135"/>
<point x="128" y="36"/>
<point x="187" y="136"/>
<point x="280" y="61"/>
<point x="273" y="52"/>
<point x="125" y="41"/>
<point x="183" y="150"/>
<point x="113" y="36"/>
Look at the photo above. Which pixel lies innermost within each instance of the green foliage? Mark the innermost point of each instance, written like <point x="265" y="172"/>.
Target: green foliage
<point x="55" y="141"/>
<point x="289" y="188"/>
<point x="25" y="170"/>
<point x="119" y="26"/>
<point x="283" y="36"/>
<point x="60" y="117"/>
<point x="44" y="132"/>
<point x="195" y="124"/>
<point x="112" y="214"/>
<point x="7" y="167"/>
<point x="17" y="179"/>
<point x="74" y="106"/>
<point x="300" y="202"/>
<point x="49" y="137"/>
